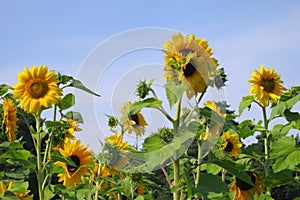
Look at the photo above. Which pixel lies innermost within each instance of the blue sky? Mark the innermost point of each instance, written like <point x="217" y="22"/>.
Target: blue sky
<point x="64" y="34"/>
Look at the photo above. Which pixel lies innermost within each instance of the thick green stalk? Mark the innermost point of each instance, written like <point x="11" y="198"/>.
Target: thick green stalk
<point x="198" y="170"/>
<point x="266" y="144"/>
<point x="176" y="169"/>
<point x="39" y="172"/>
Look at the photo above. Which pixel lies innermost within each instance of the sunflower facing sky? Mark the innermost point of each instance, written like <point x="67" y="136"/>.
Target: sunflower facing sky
<point x="10" y="119"/>
<point x="37" y="88"/>
<point x="266" y="85"/>
<point x="188" y="61"/>
<point x="81" y="157"/>
<point x="231" y="144"/>
<point x="133" y="122"/>
<point x="245" y="190"/>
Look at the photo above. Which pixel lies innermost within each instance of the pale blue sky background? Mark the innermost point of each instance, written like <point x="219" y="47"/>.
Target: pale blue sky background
<point x="62" y="35"/>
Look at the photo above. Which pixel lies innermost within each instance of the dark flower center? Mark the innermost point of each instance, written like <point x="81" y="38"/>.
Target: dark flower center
<point x="243" y="185"/>
<point x="268" y="85"/>
<point x="189" y="70"/>
<point x="135" y="118"/>
<point x="228" y="147"/>
<point x="76" y="161"/>
<point x="38" y="89"/>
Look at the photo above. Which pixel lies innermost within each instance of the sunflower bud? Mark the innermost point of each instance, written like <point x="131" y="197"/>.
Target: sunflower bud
<point x="112" y="122"/>
<point x="220" y="78"/>
<point x="166" y="135"/>
<point x="143" y="89"/>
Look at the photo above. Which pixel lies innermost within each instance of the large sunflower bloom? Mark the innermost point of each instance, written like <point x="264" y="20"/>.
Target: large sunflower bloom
<point x="37" y="88"/>
<point x="245" y="190"/>
<point x="81" y="157"/>
<point x="133" y="122"/>
<point x="4" y="188"/>
<point x="188" y="61"/>
<point x="231" y="144"/>
<point x="266" y="85"/>
<point x="10" y="119"/>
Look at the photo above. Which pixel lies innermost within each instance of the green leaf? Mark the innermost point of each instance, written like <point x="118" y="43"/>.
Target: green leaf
<point x="48" y="192"/>
<point x="282" y="106"/>
<point x="138" y="105"/>
<point x="76" y="116"/>
<point x="280" y="178"/>
<point x="20" y="154"/>
<point x="281" y="130"/>
<point x="57" y="170"/>
<point x="174" y="92"/>
<point x="234" y="168"/>
<point x="79" y="85"/>
<point x="50" y="124"/>
<point x="21" y="187"/>
<point x="67" y="101"/>
<point x="210" y="183"/>
<point x="4" y="88"/>
<point x="246" y="128"/>
<point x="58" y="157"/>
<point x="154" y="159"/>
<point x="284" y="154"/>
<point x="152" y="143"/>
<point x="246" y="102"/>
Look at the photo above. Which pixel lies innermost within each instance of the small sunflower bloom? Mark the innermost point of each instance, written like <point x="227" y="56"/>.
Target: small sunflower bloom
<point x="82" y="158"/>
<point x="133" y="122"/>
<point x="10" y="119"/>
<point x="231" y="144"/>
<point x="245" y="190"/>
<point x="188" y="61"/>
<point x="36" y="89"/>
<point x="266" y="85"/>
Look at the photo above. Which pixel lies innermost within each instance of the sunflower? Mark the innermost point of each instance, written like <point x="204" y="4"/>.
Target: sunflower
<point x="245" y="190"/>
<point x="266" y="85"/>
<point x="188" y="61"/>
<point x="37" y="88"/>
<point x="21" y="196"/>
<point x="10" y="119"/>
<point x="231" y="144"/>
<point x="81" y="157"/>
<point x="116" y="149"/>
<point x="133" y="122"/>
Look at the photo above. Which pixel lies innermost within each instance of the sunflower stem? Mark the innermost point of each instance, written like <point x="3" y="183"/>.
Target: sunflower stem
<point x="176" y="170"/>
<point x="39" y="172"/>
<point x="266" y="144"/>
<point x="97" y="181"/>
<point x="49" y="144"/>
<point x="198" y="170"/>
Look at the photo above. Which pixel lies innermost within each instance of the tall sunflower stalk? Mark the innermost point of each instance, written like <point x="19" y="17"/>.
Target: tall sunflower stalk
<point x="267" y="87"/>
<point x="188" y="64"/>
<point x="37" y="89"/>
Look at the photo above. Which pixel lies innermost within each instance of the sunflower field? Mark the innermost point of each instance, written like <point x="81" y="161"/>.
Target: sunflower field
<point x="199" y="155"/>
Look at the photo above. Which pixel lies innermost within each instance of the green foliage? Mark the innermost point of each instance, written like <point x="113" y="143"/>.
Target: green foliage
<point x="66" y="102"/>
<point x="285" y="154"/>
<point x="245" y="103"/>
<point x="174" y="92"/>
